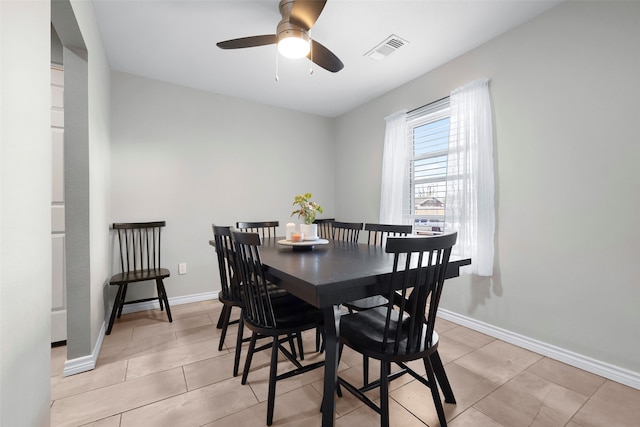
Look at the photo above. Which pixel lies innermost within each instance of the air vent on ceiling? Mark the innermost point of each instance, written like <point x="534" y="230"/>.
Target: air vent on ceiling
<point x="386" y="48"/>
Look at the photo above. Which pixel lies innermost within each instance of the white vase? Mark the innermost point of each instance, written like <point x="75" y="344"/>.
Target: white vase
<point x="310" y="231"/>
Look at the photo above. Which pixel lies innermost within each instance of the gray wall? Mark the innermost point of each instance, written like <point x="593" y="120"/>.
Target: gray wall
<point x="99" y="101"/>
<point x="77" y="198"/>
<point x="194" y="158"/>
<point x="564" y="88"/>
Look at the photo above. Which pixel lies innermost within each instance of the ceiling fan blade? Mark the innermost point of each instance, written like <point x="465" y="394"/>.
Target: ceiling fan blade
<point x="323" y="57"/>
<point x="252" y="41"/>
<point x="305" y="13"/>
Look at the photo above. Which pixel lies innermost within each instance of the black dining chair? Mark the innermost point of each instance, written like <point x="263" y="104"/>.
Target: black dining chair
<point x="377" y="236"/>
<point x="346" y="231"/>
<point x="378" y="233"/>
<point x="230" y="294"/>
<point x="406" y="333"/>
<point x="266" y="229"/>
<point x="325" y="227"/>
<point x="277" y="318"/>
<point x="139" y="248"/>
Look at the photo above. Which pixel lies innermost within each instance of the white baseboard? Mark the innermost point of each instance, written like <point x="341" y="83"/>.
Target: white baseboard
<point x="606" y="370"/>
<point x="87" y="363"/>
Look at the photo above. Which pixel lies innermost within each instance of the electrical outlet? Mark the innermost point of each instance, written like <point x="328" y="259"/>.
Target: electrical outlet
<point x="182" y="268"/>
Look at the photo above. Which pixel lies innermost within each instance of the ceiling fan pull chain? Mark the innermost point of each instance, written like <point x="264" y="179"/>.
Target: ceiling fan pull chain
<point x="277" y="76"/>
<point x="311" y="54"/>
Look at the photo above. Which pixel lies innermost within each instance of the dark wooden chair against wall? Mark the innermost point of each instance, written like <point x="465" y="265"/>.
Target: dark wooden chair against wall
<point x="231" y="289"/>
<point x="278" y="318"/>
<point x="139" y="244"/>
<point x="407" y="333"/>
<point x="325" y="227"/>
<point x="266" y="229"/>
<point x="346" y="231"/>
<point x="377" y="236"/>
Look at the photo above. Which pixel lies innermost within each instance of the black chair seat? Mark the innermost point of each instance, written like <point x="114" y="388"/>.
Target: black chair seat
<point x="366" y="331"/>
<point x="229" y="300"/>
<point x="235" y="298"/>
<point x="293" y="314"/>
<point x="139" y="276"/>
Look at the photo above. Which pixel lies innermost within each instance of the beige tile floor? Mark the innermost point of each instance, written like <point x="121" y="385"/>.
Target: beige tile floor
<point x="154" y="373"/>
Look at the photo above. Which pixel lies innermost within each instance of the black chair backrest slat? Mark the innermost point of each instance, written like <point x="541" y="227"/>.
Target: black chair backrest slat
<point x="325" y="227"/>
<point x="257" y="300"/>
<point x="140" y="245"/>
<point x="266" y="229"/>
<point x="346" y="231"/>
<point x="226" y="262"/>
<point x="378" y="233"/>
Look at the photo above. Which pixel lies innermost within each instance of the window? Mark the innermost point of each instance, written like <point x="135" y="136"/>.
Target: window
<point x="437" y="169"/>
<point x="428" y="137"/>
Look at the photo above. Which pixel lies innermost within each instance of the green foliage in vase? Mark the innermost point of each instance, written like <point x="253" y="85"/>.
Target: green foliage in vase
<point x="308" y="209"/>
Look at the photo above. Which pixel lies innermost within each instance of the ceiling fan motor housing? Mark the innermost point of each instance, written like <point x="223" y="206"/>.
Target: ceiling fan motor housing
<point x="287" y="29"/>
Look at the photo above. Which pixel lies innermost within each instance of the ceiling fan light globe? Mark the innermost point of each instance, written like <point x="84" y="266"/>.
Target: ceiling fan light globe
<point x="294" y="47"/>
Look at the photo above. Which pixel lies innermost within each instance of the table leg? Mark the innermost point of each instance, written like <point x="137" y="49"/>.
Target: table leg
<point x="332" y="331"/>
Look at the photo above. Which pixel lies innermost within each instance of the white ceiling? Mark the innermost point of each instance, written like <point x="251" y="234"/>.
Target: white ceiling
<point x="175" y="41"/>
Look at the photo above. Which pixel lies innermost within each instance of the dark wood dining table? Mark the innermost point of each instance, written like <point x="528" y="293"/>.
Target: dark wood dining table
<point x="326" y="276"/>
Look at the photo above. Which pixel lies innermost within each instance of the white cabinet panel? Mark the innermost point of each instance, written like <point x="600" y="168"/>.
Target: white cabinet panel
<point x="57" y="273"/>
<point x="57" y="118"/>
<point x="57" y="97"/>
<point x="57" y="77"/>
<point x="57" y="219"/>
<point x="57" y="179"/>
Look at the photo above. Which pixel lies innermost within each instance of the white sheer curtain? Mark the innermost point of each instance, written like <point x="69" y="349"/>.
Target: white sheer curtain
<point x="394" y="173"/>
<point x="470" y="208"/>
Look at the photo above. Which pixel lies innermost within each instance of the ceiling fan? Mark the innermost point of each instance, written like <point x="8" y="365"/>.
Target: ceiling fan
<point x="292" y="35"/>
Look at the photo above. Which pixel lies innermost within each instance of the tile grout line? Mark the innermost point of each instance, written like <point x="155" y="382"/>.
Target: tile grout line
<point x="402" y="406"/>
<point x="586" y="401"/>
